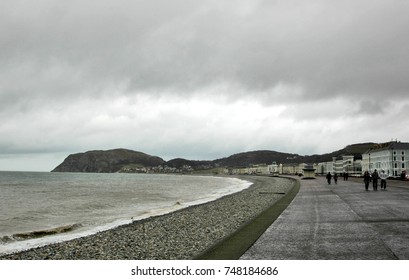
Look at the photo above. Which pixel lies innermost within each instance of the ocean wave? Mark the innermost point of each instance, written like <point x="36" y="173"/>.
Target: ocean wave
<point x="39" y="233"/>
<point x="136" y="199"/>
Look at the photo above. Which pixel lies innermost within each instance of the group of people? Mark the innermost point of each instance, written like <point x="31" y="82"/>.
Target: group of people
<point x="329" y="177"/>
<point x="374" y="177"/>
<point x="335" y="176"/>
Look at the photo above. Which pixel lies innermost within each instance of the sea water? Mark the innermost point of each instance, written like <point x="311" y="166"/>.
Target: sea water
<point x="39" y="208"/>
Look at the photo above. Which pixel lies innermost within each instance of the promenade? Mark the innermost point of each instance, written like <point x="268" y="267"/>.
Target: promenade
<point x="339" y="221"/>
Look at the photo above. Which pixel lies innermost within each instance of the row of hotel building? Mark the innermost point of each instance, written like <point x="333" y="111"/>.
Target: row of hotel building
<point x="392" y="157"/>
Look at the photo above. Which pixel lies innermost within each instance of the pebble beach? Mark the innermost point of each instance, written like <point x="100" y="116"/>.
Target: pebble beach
<point x="183" y="234"/>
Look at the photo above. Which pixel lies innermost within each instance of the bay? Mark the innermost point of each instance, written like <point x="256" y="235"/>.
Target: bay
<point x="38" y="208"/>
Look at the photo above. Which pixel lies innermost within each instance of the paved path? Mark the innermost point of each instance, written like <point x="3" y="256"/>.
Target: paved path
<point x="340" y="221"/>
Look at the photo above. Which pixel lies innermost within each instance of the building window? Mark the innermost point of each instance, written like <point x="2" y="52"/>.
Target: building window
<point x="394" y="158"/>
<point x="396" y="165"/>
<point x="394" y="152"/>
<point x="403" y="165"/>
<point x="403" y="158"/>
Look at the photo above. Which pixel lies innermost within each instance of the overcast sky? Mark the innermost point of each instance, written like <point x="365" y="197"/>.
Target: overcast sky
<point x="199" y="79"/>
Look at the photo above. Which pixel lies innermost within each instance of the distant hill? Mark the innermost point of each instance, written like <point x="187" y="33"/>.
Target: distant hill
<point x="116" y="160"/>
<point x="267" y="157"/>
<point x="355" y="149"/>
<point x="258" y="157"/>
<point x="107" y="161"/>
<point x="196" y="164"/>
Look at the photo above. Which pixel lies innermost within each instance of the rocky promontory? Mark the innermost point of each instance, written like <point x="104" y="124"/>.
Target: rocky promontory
<point x="107" y="161"/>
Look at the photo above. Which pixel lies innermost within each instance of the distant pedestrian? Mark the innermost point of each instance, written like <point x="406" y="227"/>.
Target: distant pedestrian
<point x="335" y="178"/>
<point x="383" y="177"/>
<point x="346" y="176"/>
<point x="367" y="179"/>
<point x="403" y="175"/>
<point x="375" y="178"/>
<point x="329" y="176"/>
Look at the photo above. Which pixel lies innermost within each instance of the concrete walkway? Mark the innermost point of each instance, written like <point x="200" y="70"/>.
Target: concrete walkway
<point x="341" y="221"/>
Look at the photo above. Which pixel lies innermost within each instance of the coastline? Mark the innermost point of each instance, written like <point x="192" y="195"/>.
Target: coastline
<point x="183" y="234"/>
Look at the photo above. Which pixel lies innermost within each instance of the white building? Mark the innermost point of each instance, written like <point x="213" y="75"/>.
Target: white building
<point x="291" y="168"/>
<point x="325" y="167"/>
<point x="263" y="169"/>
<point x="273" y="169"/>
<point x="393" y="157"/>
<point x="344" y="164"/>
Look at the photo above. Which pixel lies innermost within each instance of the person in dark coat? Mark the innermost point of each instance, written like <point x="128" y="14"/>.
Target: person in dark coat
<point x="403" y="175"/>
<point x="335" y="178"/>
<point x="329" y="176"/>
<point x="375" y="178"/>
<point x="367" y="179"/>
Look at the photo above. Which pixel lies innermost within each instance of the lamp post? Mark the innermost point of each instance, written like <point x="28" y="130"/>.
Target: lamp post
<point x="369" y="165"/>
<point x="392" y="163"/>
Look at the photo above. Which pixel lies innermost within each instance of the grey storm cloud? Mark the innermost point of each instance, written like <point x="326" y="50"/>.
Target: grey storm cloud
<point x="326" y="48"/>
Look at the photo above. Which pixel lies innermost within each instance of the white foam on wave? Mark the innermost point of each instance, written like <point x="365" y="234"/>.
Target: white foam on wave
<point x="236" y="186"/>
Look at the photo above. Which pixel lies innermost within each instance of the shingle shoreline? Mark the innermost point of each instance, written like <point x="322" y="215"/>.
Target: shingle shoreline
<point x="182" y="234"/>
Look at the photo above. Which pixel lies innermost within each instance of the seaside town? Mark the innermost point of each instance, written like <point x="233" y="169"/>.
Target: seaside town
<point x="391" y="157"/>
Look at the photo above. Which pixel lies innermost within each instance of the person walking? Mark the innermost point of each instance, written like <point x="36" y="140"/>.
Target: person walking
<point x="383" y="177"/>
<point x="375" y="178"/>
<point x="335" y="178"/>
<point x="367" y="179"/>
<point x="403" y="175"/>
<point x="329" y="176"/>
